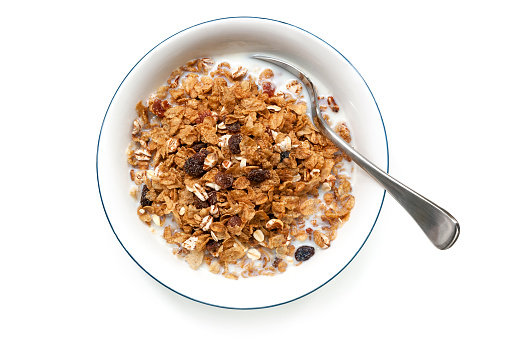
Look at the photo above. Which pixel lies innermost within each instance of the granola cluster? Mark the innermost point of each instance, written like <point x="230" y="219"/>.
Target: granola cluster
<point x="239" y="168"/>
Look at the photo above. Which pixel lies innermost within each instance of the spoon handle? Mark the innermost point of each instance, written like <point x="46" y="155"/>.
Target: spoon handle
<point x="438" y="224"/>
<point x="440" y="227"/>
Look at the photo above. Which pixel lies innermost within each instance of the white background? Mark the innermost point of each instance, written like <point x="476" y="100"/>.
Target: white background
<point x="439" y="72"/>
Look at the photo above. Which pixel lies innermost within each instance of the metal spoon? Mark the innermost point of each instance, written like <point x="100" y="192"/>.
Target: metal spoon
<point x="440" y="227"/>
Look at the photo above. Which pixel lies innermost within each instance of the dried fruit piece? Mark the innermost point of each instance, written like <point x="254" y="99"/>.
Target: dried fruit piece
<point x="224" y="180"/>
<point x="212" y="246"/>
<point x="268" y="88"/>
<point x="233" y="128"/>
<point x="305" y="252"/>
<point x="198" y="146"/>
<point x="159" y="107"/>
<point x="332" y="104"/>
<point x="199" y="203"/>
<point x="258" y="175"/>
<point x="284" y="155"/>
<point x="234" y="225"/>
<point x="144" y="201"/>
<point x="233" y="143"/>
<point x="212" y="200"/>
<point x="194" y="165"/>
<point x="202" y="115"/>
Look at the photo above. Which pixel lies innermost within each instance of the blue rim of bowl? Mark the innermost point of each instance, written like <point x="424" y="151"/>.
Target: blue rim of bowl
<point x="200" y="301"/>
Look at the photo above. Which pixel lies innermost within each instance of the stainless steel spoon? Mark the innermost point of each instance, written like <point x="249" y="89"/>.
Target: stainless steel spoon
<point x="440" y="226"/>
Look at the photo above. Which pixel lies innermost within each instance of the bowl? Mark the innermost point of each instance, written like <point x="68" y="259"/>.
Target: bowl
<point x="331" y="72"/>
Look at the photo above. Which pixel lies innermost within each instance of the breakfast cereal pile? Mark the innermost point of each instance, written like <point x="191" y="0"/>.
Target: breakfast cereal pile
<point x="239" y="168"/>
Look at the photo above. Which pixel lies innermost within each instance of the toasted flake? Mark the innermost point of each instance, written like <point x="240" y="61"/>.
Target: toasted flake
<point x="239" y="72"/>
<point x="321" y="239"/>
<point x="142" y="154"/>
<point x="136" y="126"/>
<point x="172" y="144"/>
<point x="190" y="243"/>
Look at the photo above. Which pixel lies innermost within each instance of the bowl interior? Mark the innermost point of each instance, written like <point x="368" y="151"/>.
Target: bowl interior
<point x="332" y="74"/>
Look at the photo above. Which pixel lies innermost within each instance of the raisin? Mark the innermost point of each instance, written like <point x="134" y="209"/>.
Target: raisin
<point x="268" y="88"/>
<point x="234" y="225"/>
<point x="285" y="155"/>
<point x="204" y="151"/>
<point x="224" y="180"/>
<point x="203" y="115"/>
<point x="159" y="107"/>
<point x="144" y="201"/>
<point x="233" y="143"/>
<point x="233" y="128"/>
<point x="212" y="200"/>
<point x="212" y="246"/>
<point x="198" y="146"/>
<point x="258" y="175"/>
<point x="303" y="253"/>
<point x="276" y="262"/>
<point x="194" y="165"/>
<point x="200" y="204"/>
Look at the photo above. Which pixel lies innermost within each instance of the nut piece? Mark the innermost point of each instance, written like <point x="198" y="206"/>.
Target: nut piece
<point x="274" y="108"/>
<point x="227" y="164"/>
<point x="213" y="185"/>
<point x="254" y="254"/>
<point x="325" y="187"/>
<point x="206" y="222"/>
<point x="190" y="243"/>
<point x="258" y="235"/>
<point x="157" y="219"/>
<point x="210" y="161"/>
<point x="214" y="210"/>
<point x="321" y="239"/>
<point x="223" y="141"/>
<point x="221" y="125"/>
<point x="285" y="145"/>
<point x="200" y="192"/>
<point x="172" y="144"/>
<point x="182" y="210"/>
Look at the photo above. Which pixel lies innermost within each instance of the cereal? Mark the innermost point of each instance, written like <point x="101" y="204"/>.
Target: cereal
<point x="239" y="166"/>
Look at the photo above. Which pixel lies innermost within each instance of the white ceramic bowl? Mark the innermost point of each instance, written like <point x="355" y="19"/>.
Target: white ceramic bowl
<point x="327" y="67"/>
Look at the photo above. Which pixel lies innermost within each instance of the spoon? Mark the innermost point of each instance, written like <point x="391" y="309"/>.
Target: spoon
<point x="440" y="226"/>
